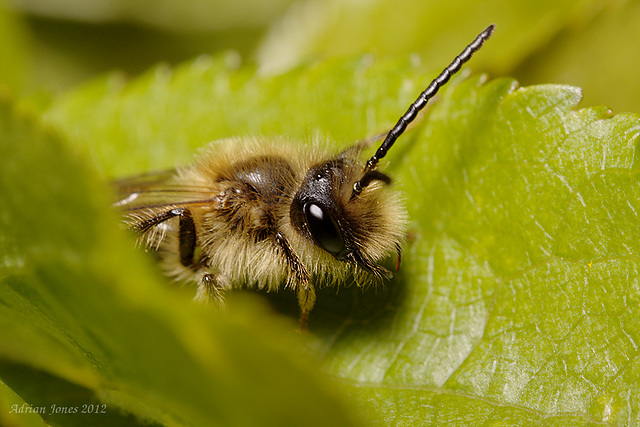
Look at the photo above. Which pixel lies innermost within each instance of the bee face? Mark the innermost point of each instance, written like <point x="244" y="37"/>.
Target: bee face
<point x="256" y="212"/>
<point x="327" y="213"/>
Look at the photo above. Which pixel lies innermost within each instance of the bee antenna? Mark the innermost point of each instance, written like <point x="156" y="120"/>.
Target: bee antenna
<point x="421" y="102"/>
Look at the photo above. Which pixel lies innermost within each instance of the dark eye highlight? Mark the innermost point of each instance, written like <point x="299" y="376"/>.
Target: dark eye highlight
<point x="324" y="229"/>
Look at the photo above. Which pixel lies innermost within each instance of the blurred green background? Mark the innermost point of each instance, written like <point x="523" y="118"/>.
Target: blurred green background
<point x="49" y="46"/>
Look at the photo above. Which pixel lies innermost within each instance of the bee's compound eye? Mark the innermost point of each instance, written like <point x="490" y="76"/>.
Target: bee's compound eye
<point x="324" y="229"/>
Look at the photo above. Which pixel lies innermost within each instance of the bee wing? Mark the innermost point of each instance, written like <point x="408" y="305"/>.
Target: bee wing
<point x="141" y="189"/>
<point x="362" y="144"/>
<point x="149" y="201"/>
<point x="156" y="189"/>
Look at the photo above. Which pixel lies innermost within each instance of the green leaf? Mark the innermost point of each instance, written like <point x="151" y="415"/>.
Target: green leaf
<point x="162" y="118"/>
<point x="518" y="296"/>
<point x="517" y="300"/>
<point x="14" y="411"/>
<point x="86" y="321"/>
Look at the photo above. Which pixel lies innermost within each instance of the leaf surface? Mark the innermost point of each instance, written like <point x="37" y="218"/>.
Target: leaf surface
<point x="517" y="297"/>
<point x="86" y="321"/>
<point x="518" y="294"/>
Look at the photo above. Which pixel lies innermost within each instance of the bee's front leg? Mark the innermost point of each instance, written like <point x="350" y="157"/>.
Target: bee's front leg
<point x="306" y="300"/>
<point x="301" y="278"/>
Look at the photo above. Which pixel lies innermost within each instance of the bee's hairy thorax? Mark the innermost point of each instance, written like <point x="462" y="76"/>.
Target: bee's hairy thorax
<point x="253" y="192"/>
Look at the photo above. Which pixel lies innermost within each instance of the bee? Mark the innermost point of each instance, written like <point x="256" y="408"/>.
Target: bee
<point x="272" y="214"/>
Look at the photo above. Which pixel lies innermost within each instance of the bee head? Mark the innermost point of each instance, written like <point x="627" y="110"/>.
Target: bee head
<point x="345" y="208"/>
<point x="358" y="230"/>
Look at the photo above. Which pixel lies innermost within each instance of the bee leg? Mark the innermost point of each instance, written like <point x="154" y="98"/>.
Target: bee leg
<point x="148" y="223"/>
<point x="186" y="231"/>
<point x="211" y="288"/>
<point x="306" y="301"/>
<point x="301" y="277"/>
<point x="186" y="237"/>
